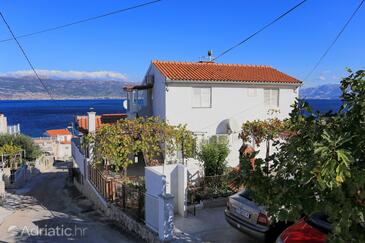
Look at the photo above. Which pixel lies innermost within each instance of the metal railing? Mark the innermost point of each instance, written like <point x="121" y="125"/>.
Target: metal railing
<point x="130" y="197"/>
<point x="128" y="193"/>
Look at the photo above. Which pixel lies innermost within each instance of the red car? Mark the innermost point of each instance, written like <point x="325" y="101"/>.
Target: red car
<point x="312" y="229"/>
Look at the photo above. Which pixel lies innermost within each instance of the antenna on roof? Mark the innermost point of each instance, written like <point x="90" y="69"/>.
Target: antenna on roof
<point x="208" y="59"/>
<point x="210" y="55"/>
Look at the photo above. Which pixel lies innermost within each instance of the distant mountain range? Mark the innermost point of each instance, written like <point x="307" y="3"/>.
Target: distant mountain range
<point x="21" y="88"/>
<point x="14" y="88"/>
<point x="326" y="91"/>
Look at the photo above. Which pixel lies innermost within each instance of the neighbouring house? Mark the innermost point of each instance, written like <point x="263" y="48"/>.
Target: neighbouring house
<point x="95" y="121"/>
<point x="61" y="143"/>
<point x="213" y="99"/>
<point x="5" y="128"/>
<point x="84" y="125"/>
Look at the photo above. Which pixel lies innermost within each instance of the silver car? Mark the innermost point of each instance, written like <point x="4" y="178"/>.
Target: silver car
<point x="245" y="215"/>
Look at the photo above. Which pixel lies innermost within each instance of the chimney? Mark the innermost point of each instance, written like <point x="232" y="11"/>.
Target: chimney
<point x="91" y="119"/>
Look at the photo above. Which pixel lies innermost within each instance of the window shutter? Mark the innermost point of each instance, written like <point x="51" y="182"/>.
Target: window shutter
<point x="196" y="97"/>
<point x="205" y="97"/>
<point x="267" y="97"/>
<point x="274" y="98"/>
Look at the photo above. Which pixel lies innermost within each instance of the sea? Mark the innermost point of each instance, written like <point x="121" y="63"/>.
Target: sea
<point x="37" y="116"/>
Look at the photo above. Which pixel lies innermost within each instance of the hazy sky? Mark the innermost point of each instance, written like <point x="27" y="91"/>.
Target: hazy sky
<point x="183" y="30"/>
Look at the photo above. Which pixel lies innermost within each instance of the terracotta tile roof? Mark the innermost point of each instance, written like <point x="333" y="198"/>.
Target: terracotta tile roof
<point x="56" y="132"/>
<point x="83" y="122"/>
<point x="207" y="71"/>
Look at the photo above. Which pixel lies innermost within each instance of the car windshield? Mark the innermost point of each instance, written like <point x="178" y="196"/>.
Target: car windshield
<point x="246" y="194"/>
<point x="320" y="221"/>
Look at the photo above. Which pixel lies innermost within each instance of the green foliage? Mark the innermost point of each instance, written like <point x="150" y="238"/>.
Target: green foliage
<point x="258" y="131"/>
<point x="117" y="144"/>
<point x="32" y="150"/>
<point x="320" y="166"/>
<point x="213" y="154"/>
<point x="12" y="155"/>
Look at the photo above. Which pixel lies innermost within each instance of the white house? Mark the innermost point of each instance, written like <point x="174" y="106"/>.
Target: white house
<point x="61" y="142"/>
<point x="5" y="129"/>
<point x="213" y="98"/>
<point x="3" y="124"/>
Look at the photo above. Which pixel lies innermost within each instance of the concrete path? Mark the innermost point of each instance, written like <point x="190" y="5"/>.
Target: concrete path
<point x="209" y="225"/>
<point x="50" y="210"/>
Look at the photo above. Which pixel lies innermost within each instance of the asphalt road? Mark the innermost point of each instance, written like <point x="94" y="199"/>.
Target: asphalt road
<point x="51" y="210"/>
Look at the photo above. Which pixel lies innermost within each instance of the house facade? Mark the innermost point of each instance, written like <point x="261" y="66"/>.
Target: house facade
<point x="213" y="99"/>
<point x="61" y="143"/>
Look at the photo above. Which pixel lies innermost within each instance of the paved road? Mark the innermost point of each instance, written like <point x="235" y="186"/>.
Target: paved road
<point x="209" y="225"/>
<point x="50" y="210"/>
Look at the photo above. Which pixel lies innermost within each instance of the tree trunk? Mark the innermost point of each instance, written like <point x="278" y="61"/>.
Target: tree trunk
<point x="267" y="156"/>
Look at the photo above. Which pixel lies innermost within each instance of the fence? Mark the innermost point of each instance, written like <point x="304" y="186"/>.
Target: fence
<point x="131" y="198"/>
<point x="128" y="194"/>
<point x="102" y="183"/>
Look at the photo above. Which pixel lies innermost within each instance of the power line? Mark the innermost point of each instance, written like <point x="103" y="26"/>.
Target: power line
<point x="334" y="41"/>
<point x="260" y="30"/>
<point x="27" y="58"/>
<point x="82" y="20"/>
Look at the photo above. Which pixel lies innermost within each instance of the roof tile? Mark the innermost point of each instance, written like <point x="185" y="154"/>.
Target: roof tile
<point x="209" y="71"/>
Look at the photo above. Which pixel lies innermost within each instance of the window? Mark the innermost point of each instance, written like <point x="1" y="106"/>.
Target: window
<point x="202" y="97"/>
<point x="271" y="98"/>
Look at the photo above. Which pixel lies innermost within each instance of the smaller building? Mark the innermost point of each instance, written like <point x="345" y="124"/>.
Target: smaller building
<point x="61" y="143"/>
<point x="3" y="124"/>
<point x="95" y="121"/>
<point x="5" y="129"/>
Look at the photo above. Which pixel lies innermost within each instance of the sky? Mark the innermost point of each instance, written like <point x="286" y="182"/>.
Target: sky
<point x="183" y="30"/>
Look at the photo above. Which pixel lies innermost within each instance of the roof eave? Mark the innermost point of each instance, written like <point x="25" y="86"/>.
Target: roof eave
<point x="233" y="82"/>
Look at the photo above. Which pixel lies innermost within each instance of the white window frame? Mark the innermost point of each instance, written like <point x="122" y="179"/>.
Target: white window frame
<point x="269" y="101"/>
<point x="195" y="104"/>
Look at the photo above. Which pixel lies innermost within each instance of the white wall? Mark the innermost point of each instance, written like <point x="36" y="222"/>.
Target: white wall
<point x="3" y="124"/>
<point x="158" y="93"/>
<point x="228" y="101"/>
<point x="64" y="151"/>
<point x="174" y="183"/>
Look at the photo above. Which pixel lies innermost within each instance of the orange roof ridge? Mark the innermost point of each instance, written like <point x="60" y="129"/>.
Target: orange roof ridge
<point x="204" y="71"/>
<point x="211" y="63"/>
<point x="56" y="132"/>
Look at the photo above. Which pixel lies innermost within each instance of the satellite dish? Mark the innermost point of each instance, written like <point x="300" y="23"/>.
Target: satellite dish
<point x="125" y="104"/>
<point x="232" y="126"/>
<point x="227" y="126"/>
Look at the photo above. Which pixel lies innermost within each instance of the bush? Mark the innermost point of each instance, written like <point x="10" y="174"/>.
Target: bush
<point x="32" y="150"/>
<point x="213" y="154"/>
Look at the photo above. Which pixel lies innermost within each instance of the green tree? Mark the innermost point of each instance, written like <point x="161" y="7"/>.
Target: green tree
<point x="117" y="144"/>
<point x="213" y="154"/>
<point x="31" y="150"/>
<point x="320" y="166"/>
<point x="259" y="131"/>
<point x="11" y="154"/>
